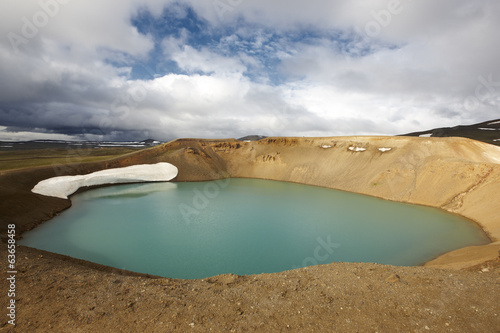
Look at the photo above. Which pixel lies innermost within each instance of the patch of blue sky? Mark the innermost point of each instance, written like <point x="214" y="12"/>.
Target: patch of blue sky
<point x="261" y="49"/>
<point x="175" y="21"/>
<point x="172" y="22"/>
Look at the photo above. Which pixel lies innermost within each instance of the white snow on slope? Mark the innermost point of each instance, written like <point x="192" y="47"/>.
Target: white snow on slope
<point x="62" y="187"/>
<point x="487" y="129"/>
<point x="357" y="149"/>
<point x="384" y="149"/>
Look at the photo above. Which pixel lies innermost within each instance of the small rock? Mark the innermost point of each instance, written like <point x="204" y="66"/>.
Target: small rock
<point x="486" y="269"/>
<point x="393" y="278"/>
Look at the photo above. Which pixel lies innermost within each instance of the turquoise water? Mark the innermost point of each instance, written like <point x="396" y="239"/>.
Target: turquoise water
<point x="245" y="226"/>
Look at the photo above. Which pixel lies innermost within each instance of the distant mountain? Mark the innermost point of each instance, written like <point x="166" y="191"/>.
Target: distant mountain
<point x="252" y="138"/>
<point x="58" y="144"/>
<point x="488" y="131"/>
<point x="150" y="142"/>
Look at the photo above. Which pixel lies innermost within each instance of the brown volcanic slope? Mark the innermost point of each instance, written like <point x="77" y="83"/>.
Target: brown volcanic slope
<point x="459" y="175"/>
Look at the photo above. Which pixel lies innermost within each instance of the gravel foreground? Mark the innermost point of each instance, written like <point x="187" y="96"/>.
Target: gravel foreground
<point x="56" y="293"/>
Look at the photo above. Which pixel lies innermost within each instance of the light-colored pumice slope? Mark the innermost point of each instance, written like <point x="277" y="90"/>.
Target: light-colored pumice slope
<point x="459" y="175"/>
<point x="64" y="186"/>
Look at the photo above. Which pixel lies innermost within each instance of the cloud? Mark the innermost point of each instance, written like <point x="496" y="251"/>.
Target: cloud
<point x="161" y="68"/>
<point x="74" y="24"/>
<point x="6" y="135"/>
<point x="205" y="61"/>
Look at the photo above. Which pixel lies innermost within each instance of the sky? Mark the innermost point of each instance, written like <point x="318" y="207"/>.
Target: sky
<point x="131" y="70"/>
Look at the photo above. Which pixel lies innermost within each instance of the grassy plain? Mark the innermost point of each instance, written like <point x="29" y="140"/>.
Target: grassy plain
<point x="20" y="159"/>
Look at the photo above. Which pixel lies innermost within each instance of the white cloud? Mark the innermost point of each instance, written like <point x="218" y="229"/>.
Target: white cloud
<point x="32" y="135"/>
<point x="82" y="25"/>
<point x="192" y="60"/>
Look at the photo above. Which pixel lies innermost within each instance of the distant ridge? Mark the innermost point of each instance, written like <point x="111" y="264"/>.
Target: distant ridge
<point x="488" y="131"/>
<point x="252" y="138"/>
<point x="150" y="142"/>
<point x="60" y="144"/>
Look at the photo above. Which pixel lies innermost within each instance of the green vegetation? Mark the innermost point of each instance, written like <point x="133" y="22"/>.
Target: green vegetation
<point x="19" y="159"/>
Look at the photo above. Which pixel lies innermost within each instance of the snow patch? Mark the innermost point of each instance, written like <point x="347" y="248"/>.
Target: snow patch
<point x="357" y="149"/>
<point x="384" y="149"/>
<point x="425" y="135"/>
<point x="326" y="146"/>
<point x="496" y="140"/>
<point x="63" y="186"/>
<point x="487" y="129"/>
<point x="494" y="123"/>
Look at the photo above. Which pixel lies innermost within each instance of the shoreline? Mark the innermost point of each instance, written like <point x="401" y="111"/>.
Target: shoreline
<point x="67" y="295"/>
<point x="423" y="263"/>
